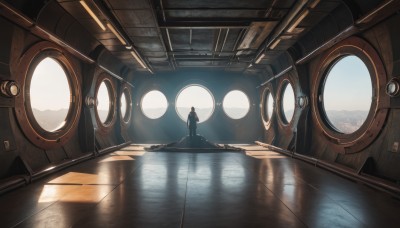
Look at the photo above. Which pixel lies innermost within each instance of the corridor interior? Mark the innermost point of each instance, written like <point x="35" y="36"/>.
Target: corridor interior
<point x="255" y="188"/>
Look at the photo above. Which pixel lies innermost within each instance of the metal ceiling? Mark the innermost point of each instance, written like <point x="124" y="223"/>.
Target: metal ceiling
<point x="231" y="35"/>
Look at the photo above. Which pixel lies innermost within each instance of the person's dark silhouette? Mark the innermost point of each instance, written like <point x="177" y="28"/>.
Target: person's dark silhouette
<point x="192" y="122"/>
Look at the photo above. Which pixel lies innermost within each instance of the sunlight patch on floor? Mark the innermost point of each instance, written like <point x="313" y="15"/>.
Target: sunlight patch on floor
<point x="129" y="153"/>
<point x="82" y="178"/>
<point x="264" y="154"/>
<point x="74" y="193"/>
<point x="117" y="158"/>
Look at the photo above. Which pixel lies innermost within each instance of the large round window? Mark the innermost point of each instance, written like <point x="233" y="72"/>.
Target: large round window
<point x="49" y="105"/>
<point x="198" y="97"/>
<point x="288" y="104"/>
<point x="236" y="104"/>
<point x="154" y="104"/>
<point x="349" y="104"/>
<point x="347" y="94"/>
<point x="49" y="95"/>
<point x="104" y="102"/>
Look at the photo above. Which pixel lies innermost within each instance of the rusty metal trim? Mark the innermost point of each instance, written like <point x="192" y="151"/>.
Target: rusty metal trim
<point x="372" y="126"/>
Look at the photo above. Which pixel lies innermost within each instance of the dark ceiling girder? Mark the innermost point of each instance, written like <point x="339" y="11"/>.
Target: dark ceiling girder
<point x="202" y="26"/>
<point x="102" y="7"/>
<point x="278" y="31"/>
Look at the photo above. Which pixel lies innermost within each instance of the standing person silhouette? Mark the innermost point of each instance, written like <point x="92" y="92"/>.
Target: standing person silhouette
<point x="192" y="122"/>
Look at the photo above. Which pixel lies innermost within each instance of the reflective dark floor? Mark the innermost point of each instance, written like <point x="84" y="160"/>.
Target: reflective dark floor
<point x="259" y="188"/>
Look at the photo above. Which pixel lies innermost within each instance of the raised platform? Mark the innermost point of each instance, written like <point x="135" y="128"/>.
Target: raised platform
<point x="195" y="144"/>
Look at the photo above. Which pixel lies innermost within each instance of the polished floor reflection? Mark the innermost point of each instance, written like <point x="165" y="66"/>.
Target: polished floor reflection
<point x="258" y="188"/>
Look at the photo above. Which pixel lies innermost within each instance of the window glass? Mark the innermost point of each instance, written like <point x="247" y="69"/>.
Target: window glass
<point x="154" y="104"/>
<point x="347" y="94"/>
<point x="103" y="102"/>
<point x="124" y="105"/>
<point x="198" y="97"/>
<point x="269" y="106"/>
<point x="236" y="104"/>
<point x="288" y="104"/>
<point x="50" y="95"/>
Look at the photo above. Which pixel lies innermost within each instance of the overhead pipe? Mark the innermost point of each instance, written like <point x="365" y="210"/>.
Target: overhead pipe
<point x="299" y="5"/>
<point x="353" y="29"/>
<point x="341" y="170"/>
<point x="120" y="33"/>
<point x="276" y="76"/>
<point x="20" y="19"/>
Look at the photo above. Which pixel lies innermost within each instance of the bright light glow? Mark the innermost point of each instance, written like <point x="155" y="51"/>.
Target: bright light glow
<point x="236" y="104"/>
<point x="50" y="95"/>
<point x="103" y="102"/>
<point x="260" y="58"/>
<point x="124" y="105"/>
<point x="298" y="20"/>
<point x="116" y="33"/>
<point x="117" y="158"/>
<point x="93" y="15"/>
<point x="270" y="105"/>
<point x="288" y="104"/>
<point x="138" y="59"/>
<point x="347" y="94"/>
<point x="274" y="44"/>
<point x="154" y="104"/>
<point x="198" y="97"/>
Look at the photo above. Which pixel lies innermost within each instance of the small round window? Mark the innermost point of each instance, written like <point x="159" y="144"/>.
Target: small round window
<point x="236" y="104"/>
<point x="198" y="97"/>
<point x="123" y="105"/>
<point x="126" y="105"/>
<point x="50" y="95"/>
<point x="104" y="102"/>
<point x="154" y="104"/>
<point x="269" y="106"/>
<point x="288" y="104"/>
<point x="347" y="94"/>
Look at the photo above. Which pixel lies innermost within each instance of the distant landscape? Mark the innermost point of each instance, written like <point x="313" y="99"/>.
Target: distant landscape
<point x="50" y="120"/>
<point x="345" y="121"/>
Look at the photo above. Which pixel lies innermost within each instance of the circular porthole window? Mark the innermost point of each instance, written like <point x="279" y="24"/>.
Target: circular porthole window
<point x="123" y="105"/>
<point x="287" y="104"/>
<point x="349" y="104"/>
<point x="198" y="97"/>
<point x="269" y="106"/>
<point x="346" y="106"/>
<point x="105" y="102"/>
<point x="126" y="105"/>
<point x="154" y="104"/>
<point x="49" y="104"/>
<point x="236" y="104"/>
<point x="49" y="95"/>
